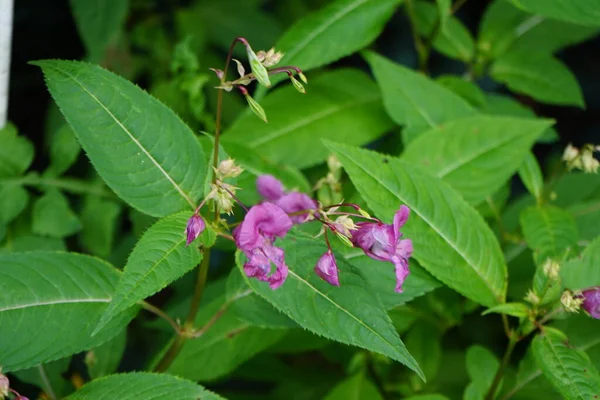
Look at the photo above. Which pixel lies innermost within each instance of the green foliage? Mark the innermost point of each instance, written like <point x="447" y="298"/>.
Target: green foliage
<point x="585" y="12"/>
<point x="468" y="260"/>
<point x="568" y="369"/>
<point x="16" y="152"/>
<point x="583" y="272"/>
<point x="49" y="305"/>
<point x="104" y="359"/>
<point x="13" y="200"/>
<point x="152" y="386"/>
<point x="531" y="175"/>
<point x="357" y="387"/>
<point x="64" y="150"/>
<point x="99" y="218"/>
<point x="143" y="151"/>
<point x="481" y="367"/>
<point x="296" y="126"/>
<point x="53" y="217"/>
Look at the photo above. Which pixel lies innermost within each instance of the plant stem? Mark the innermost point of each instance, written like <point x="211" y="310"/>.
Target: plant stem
<point x="419" y="45"/>
<point x="160" y="313"/>
<point x="198" y="290"/>
<point x="171" y="354"/>
<point x="498" y="378"/>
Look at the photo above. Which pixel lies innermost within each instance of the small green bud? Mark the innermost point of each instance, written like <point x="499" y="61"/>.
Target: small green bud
<point x="364" y="213"/>
<point x="256" y="108"/>
<point x="259" y="70"/>
<point x="297" y="85"/>
<point x="302" y="77"/>
<point x="344" y="239"/>
<point x="240" y="68"/>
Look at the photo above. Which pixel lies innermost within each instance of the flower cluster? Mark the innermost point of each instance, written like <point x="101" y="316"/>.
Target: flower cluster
<point x="588" y="299"/>
<point x="582" y="159"/>
<point x="273" y="218"/>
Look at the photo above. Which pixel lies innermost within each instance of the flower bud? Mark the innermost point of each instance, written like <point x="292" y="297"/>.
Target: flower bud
<point x="269" y="58"/>
<point x="302" y="77"/>
<point x="344" y="239"/>
<point x="571" y="153"/>
<point x="220" y="73"/>
<point x="344" y="225"/>
<point x="256" y="108"/>
<point x="591" y="301"/>
<point x="195" y="227"/>
<point x="327" y="269"/>
<point x="240" y="68"/>
<point x="571" y="303"/>
<point x="4" y="385"/>
<point x="589" y="163"/>
<point x="532" y="298"/>
<point x="258" y="69"/>
<point x="551" y="269"/>
<point x="228" y="169"/>
<point x="297" y="85"/>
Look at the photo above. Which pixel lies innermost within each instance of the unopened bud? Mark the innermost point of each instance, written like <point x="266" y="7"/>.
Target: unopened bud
<point x="591" y="301"/>
<point x="364" y="213"/>
<point x="269" y="58"/>
<point x="240" y="68"/>
<point x="532" y="297"/>
<point x="194" y="228"/>
<point x="302" y="77"/>
<point x="551" y="269"/>
<point x="571" y="302"/>
<point x="258" y="69"/>
<point x="333" y="163"/>
<point x="589" y="163"/>
<point x="297" y="85"/>
<point x="256" y="108"/>
<point x="4" y="385"/>
<point x="220" y="73"/>
<point x="343" y="238"/>
<point x="327" y="269"/>
<point x="226" y="86"/>
<point x="228" y="169"/>
<point x="571" y="153"/>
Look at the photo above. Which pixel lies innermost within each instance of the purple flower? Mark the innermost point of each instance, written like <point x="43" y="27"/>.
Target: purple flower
<point x="327" y="268"/>
<point x="382" y="242"/>
<point x="591" y="301"/>
<point x="194" y="228"/>
<point x="255" y="237"/>
<point x="269" y="187"/>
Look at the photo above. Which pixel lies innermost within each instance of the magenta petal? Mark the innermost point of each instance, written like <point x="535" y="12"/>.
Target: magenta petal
<point x="294" y="202"/>
<point x="265" y="220"/>
<point x="402" y="272"/>
<point x="404" y="248"/>
<point x="269" y="187"/>
<point x="591" y="301"/>
<point x="400" y="219"/>
<point x="327" y="268"/>
<point x="195" y="226"/>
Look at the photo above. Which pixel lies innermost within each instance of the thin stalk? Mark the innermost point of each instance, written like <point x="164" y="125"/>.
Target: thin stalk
<point x="160" y="313"/>
<point x="198" y="290"/>
<point x="47" y="384"/>
<point x="171" y="354"/>
<point x="505" y="360"/>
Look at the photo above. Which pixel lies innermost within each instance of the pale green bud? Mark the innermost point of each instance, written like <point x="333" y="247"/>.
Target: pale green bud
<point x="344" y="239"/>
<point x="256" y="108"/>
<point x="240" y="68"/>
<point x="297" y="85"/>
<point x="259" y="70"/>
<point x="302" y="77"/>
<point x="570" y="302"/>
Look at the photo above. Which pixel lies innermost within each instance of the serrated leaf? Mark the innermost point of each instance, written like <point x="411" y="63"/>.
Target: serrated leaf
<point x="99" y="218"/>
<point x="357" y="387"/>
<point x="64" y="150"/>
<point x="465" y="89"/>
<point x="540" y="76"/>
<point x="475" y="155"/>
<point x="550" y="231"/>
<point x="531" y="175"/>
<point x="49" y="305"/>
<point x="481" y="367"/>
<point x="583" y="272"/>
<point x="159" y="258"/>
<point x="450" y="238"/>
<point x="225" y="346"/>
<point x="104" y="359"/>
<point x="414" y="100"/>
<point x="513" y="309"/>
<point x="13" y="200"/>
<point x="453" y="39"/>
<point x="98" y="22"/>
<point x="16" y="152"/>
<point x="53" y="217"/>
<point x="296" y="123"/>
<point x="351" y="314"/>
<point x="146" y="385"/>
<point x="584" y="12"/>
<point x="335" y="31"/>
<point x="141" y="149"/>
<point x="568" y="369"/>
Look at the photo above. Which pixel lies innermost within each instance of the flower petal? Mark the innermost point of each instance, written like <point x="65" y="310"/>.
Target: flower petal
<point x="269" y="187"/>
<point x="263" y="221"/>
<point x="294" y="202"/>
<point x="402" y="272"/>
<point x="327" y="269"/>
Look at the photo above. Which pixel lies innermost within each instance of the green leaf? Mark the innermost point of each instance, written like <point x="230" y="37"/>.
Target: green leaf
<point x="53" y="217"/>
<point x="29" y="242"/>
<point x="335" y="31"/>
<point x="497" y="104"/>
<point x="99" y="218"/>
<point x="49" y="305"/>
<point x="481" y="367"/>
<point x="13" y="200"/>
<point x="48" y="377"/>
<point x="143" y="151"/>
<point x="531" y="175"/>
<point x="104" y="359"/>
<point x="382" y="280"/>
<point x="296" y="123"/>
<point x="583" y="12"/>
<point x="576" y="187"/>
<point x="475" y="155"/>
<point x="568" y="369"/>
<point x="550" y="231"/>
<point x="424" y="341"/>
<point x="357" y="387"/>
<point x="146" y="385"/>
<point x="453" y="39"/>
<point x="159" y="258"/>
<point x="540" y="76"/>
<point x="451" y="240"/>
<point x="583" y="272"/>
<point x="414" y="100"/>
<point x="587" y="218"/>
<point x="351" y="314"/>
<point x="513" y="309"/>
<point x="64" y="150"/>
<point x="465" y="89"/>
<point x="505" y="27"/>
<point x="427" y="397"/>
<point x="16" y="152"/>
<point x="99" y="22"/>
<point x="225" y="346"/>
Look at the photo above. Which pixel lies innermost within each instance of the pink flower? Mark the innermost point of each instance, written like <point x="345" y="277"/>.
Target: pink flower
<point x="255" y="236"/>
<point x="271" y="189"/>
<point x="591" y="301"/>
<point x="382" y="242"/>
<point x="327" y="268"/>
<point x="194" y="228"/>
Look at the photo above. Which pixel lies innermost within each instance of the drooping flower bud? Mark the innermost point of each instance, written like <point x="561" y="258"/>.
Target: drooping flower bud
<point x="256" y="108"/>
<point x="327" y="268"/>
<point x="258" y="69"/>
<point x="302" y="77"/>
<point x="4" y="385"/>
<point x="571" y="303"/>
<point x="195" y="227"/>
<point x="591" y="301"/>
<point x="297" y="85"/>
